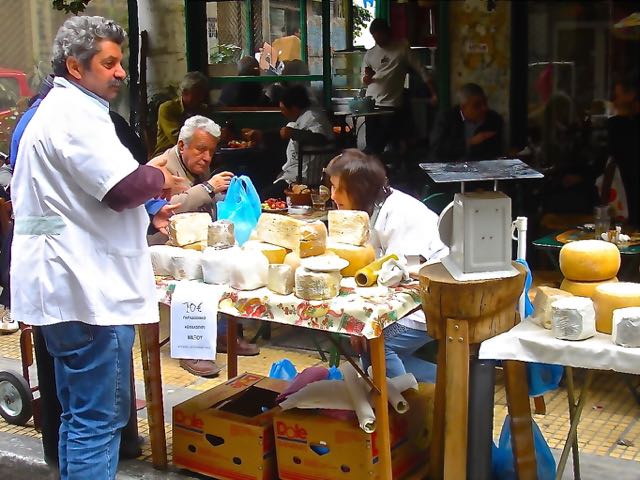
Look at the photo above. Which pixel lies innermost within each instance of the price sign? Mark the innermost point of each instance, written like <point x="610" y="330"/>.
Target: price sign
<point x="194" y="314"/>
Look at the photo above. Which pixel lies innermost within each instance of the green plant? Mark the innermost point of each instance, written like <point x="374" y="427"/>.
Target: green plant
<point x="225" y="53"/>
<point x="361" y="18"/>
<point x="74" y="6"/>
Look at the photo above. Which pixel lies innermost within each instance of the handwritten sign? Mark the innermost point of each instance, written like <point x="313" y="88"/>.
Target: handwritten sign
<point x="194" y="314"/>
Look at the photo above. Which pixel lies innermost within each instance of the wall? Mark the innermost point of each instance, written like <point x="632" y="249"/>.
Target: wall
<point x="167" y="62"/>
<point x="481" y="50"/>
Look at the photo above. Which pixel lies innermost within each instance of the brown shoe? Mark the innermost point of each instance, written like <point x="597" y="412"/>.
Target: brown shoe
<point x="245" y="349"/>
<point x="201" y="368"/>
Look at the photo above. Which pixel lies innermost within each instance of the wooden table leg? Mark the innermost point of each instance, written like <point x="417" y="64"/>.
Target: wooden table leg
<point x="520" y="412"/>
<point x="232" y="346"/>
<point x="437" y="439"/>
<point x="456" y="399"/>
<point x="379" y="368"/>
<point x="150" y="349"/>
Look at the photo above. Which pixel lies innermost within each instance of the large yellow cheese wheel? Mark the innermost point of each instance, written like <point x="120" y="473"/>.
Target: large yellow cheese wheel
<point x="610" y="296"/>
<point x="583" y="289"/>
<point x="589" y="260"/>
<point x="357" y="257"/>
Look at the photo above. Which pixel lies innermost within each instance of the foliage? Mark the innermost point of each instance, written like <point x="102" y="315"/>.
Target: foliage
<point x="225" y="53"/>
<point x="74" y="6"/>
<point x="361" y="18"/>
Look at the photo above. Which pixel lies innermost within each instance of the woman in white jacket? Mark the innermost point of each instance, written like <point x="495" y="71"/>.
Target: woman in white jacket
<point x="402" y="225"/>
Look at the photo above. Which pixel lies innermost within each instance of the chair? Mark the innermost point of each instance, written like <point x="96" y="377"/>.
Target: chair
<point x="320" y="157"/>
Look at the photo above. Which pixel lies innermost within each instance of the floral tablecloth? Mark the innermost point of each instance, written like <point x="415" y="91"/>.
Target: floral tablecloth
<point x="355" y="311"/>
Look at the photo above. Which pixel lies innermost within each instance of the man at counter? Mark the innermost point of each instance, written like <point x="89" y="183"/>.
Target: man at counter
<point x="194" y="92"/>
<point x="468" y="131"/>
<point x="384" y="69"/>
<point x="191" y="159"/>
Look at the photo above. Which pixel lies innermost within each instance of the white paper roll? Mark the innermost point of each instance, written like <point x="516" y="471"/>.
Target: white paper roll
<point x="327" y="394"/>
<point x="395" y="387"/>
<point x="358" y="391"/>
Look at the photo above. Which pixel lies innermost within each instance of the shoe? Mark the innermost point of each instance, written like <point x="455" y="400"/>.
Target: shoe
<point x="245" y="349"/>
<point x="201" y="368"/>
<point x="130" y="449"/>
<point x="7" y="325"/>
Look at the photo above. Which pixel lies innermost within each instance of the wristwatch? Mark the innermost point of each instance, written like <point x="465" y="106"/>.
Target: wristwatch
<point x="207" y="186"/>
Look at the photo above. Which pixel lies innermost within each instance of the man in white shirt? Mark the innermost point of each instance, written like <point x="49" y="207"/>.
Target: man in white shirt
<point x="384" y="70"/>
<point x="80" y="264"/>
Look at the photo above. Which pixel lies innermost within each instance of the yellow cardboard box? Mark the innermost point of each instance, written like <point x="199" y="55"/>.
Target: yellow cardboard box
<point x="311" y="446"/>
<point x="227" y="432"/>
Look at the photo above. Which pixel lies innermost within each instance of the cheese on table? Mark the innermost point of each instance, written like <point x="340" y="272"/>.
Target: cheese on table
<point x="311" y="285"/>
<point x="589" y="260"/>
<point x="293" y="260"/>
<point x="357" y="256"/>
<point x="304" y="238"/>
<point x="274" y="253"/>
<point x="545" y="296"/>
<point x="281" y="279"/>
<point x="186" y="264"/>
<point x="626" y="327"/>
<point x="611" y="296"/>
<point x="188" y="228"/>
<point x="583" y="289"/>
<point x="217" y="264"/>
<point x="199" y="246"/>
<point x="249" y="270"/>
<point x="573" y="318"/>
<point x="221" y="234"/>
<point x="349" y="226"/>
<point x="161" y="258"/>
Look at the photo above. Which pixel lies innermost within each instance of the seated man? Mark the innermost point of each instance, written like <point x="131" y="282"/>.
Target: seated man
<point x="307" y="126"/>
<point x="194" y="92"/>
<point x="468" y="131"/>
<point x="243" y="94"/>
<point x="191" y="159"/>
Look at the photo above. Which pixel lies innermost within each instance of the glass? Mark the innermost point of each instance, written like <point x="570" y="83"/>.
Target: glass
<point x="319" y="198"/>
<point x="602" y="221"/>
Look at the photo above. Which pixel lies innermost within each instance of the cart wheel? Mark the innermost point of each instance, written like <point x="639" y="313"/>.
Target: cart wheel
<point x="15" y="398"/>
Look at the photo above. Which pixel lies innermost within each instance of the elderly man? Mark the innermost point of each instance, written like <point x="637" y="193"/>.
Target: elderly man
<point x="81" y="268"/>
<point x="194" y="92"/>
<point x="468" y="131"/>
<point x="191" y="160"/>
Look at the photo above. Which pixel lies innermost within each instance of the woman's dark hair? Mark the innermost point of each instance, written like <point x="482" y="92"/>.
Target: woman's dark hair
<point x="362" y="177"/>
<point x="379" y="25"/>
<point x="296" y="96"/>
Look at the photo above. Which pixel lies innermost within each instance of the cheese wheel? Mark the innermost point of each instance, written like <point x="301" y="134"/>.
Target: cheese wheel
<point x="358" y="257"/>
<point x="583" y="289"/>
<point x="610" y="296"/>
<point x="293" y="260"/>
<point x="273" y="253"/>
<point x="188" y="228"/>
<point x="589" y="260"/>
<point x="316" y="285"/>
<point x="349" y="226"/>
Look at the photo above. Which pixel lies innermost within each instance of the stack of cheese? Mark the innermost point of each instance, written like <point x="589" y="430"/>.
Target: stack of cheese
<point x="586" y="264"/>
<point x="189" y="230"/>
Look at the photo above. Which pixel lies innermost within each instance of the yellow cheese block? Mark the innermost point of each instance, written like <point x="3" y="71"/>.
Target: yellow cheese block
<point x="357" y="257"/>
<point x="199" y="246"/>
<point x="583" y="289"/>
<point x="589" y="260"/>
<point x="305" y="238"/>
<point x="274" y="253"/>
<point x="611" y="296"/>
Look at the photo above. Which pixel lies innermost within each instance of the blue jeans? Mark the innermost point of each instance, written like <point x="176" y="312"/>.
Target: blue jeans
<point x="93" y="381"/>
<point x="400" y="344"/>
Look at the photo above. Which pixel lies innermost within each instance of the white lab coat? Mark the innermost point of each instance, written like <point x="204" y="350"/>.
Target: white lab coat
<point x="74" y="258"/>
<point x="405" y="226"/>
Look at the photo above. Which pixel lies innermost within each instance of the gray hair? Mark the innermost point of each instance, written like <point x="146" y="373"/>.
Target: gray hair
<point x="79" y="37"/>
<point x="198" y="122"/>
<point x="470" y="90"/>
<point x="193" y="80"/>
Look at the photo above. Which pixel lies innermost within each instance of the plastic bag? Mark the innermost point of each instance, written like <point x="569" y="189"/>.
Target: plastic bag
<point x="503" y="464"/>
<point x="241" y="206"/>
<point x="543" y="378"/>
<point x="283" y="369"/>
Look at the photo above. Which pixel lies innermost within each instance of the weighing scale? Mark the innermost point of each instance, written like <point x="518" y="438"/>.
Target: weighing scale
<point x="477" y="226"/>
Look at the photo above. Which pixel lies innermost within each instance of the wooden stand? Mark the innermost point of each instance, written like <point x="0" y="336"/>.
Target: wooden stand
<point x="460" y="314"/>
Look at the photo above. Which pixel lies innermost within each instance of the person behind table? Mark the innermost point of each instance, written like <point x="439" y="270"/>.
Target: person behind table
<point x="194" y="92"/>
<point x="402" y="225"/>
<point x="191" y="159"/>
<point x="242" y="94"/>
<point x="469" y="130"/>
<point x="306" y="125"/>
<point x="80" y="268"/>
<point x="384" y="69"/>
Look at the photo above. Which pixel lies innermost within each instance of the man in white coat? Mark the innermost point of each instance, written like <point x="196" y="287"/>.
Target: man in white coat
<point x="81" y="268"/>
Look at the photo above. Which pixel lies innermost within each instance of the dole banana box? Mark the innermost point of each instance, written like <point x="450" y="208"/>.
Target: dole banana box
<point x="227" y="432"/>
<point x="312" y="446"/>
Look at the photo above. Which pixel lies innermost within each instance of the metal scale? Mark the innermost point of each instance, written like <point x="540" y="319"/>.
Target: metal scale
<point x="477" y="226"/>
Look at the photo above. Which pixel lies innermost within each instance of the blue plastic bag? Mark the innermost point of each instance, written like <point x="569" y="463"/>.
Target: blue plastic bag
<point x="543" y="378"/>
<point x="503" y="465"/>
<point x="283" y="370"/>
<point x="241" y="206"/>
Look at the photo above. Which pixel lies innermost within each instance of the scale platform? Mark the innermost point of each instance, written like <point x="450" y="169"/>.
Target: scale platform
<point x="480" y="171"/>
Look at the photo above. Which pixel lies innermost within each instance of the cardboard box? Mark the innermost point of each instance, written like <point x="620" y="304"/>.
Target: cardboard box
<point x="311" y="446"/>
<point x="227" y="432"/>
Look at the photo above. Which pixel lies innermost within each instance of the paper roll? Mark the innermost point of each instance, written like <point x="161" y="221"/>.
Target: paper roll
<point x="327" y="394"/>
<point x="395" y="387"/>
<point x="367" y="276"/>
<point x="358" y="391"/>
